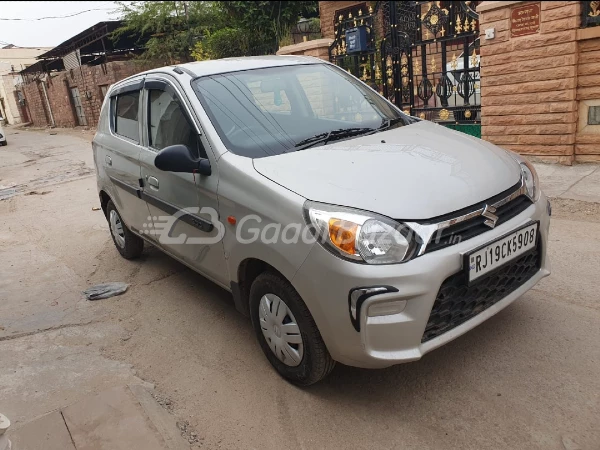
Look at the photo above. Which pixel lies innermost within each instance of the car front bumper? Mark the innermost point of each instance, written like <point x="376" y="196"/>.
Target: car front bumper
<point x="391" y="324"/>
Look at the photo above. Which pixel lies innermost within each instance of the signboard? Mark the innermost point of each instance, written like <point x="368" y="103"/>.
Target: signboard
<point x="525" y="20"/>
<point x="356" y="40"/>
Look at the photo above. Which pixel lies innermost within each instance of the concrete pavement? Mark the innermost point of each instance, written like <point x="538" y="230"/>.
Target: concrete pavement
<point x="121" y="418"/>
<point x="578" y="182"/>
<point x="526" y="379"/>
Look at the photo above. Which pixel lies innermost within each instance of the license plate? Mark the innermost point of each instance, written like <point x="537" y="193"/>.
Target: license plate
<point x="494" y="255"/>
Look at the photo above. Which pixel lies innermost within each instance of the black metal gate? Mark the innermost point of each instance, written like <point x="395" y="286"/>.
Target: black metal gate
<point x="364" y="64"/>
<point x="423" y="56"/>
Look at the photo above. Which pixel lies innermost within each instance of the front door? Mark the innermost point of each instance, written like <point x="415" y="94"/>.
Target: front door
<point x="81" y="120"/>
<point x="183" y="206"/>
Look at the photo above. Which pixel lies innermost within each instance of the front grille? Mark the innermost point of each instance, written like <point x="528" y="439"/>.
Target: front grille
<point x="468" y="229"/>
<point x="458" y="302"/>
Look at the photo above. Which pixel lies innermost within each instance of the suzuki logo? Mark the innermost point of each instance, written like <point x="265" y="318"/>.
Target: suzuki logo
<point x="488" y="213"/>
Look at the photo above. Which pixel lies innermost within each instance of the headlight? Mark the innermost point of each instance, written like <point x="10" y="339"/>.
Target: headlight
<point x="529" y="175"/>
<point x="358" y="235"/>
<point x="531" y="180"/>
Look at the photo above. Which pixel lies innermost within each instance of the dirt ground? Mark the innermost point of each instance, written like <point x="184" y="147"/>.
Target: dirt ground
<point x="526" y="379"/>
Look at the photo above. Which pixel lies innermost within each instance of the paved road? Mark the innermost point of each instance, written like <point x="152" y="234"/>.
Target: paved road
<point x="526" y="379"/>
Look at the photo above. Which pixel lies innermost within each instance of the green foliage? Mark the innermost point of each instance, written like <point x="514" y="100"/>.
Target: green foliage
<point x="170" y="27"/>
<point x="314" y="25"/>
<point x="223" y="43"/>
<point x="267" y="20"/>
<point x="178" y="31"/>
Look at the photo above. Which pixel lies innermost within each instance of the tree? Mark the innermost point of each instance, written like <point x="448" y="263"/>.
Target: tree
<point x="267" y="21"/>
<point x="171" y="28"/>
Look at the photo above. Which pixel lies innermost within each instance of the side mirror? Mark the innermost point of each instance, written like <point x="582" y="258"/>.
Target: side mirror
<point x="178" y="158"/>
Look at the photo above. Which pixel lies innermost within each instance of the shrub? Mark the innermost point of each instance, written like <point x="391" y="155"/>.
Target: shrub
<point x="223" y="43"/>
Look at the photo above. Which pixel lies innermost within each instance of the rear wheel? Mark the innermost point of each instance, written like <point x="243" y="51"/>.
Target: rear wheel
<point x="286" y="331"/>
<point x="128" y="244"/>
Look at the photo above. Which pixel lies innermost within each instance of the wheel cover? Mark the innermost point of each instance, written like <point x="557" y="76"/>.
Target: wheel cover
<point x="280" y="329"/>
<point x="116" y="228"/>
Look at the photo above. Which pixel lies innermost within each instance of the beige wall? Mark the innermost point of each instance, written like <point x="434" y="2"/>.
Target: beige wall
<point x="532" y="87"/>
<point x="18" y="59"/>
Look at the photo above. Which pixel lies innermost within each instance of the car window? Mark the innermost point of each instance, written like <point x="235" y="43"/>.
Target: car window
<point x="126" y="115"/>
<point x="168" y="123"/>
<point x="264" y="112"/>
<point x="330" y="100"/>
<point x="270" y="101"/>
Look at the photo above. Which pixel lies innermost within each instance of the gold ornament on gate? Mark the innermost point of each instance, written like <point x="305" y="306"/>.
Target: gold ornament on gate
<point x="595" y="9"/>
<point x="468" y="113"/>
<point x="444" y="114"/>
<point x="458" y="26"/>
<point x="454" y="62"/>
<point x="433" y="65"/>
<point x="474" y="61"/>
<point x="422" y="116"/>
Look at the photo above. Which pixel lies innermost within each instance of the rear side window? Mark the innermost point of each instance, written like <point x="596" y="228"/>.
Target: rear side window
<point x="127" y="107"/>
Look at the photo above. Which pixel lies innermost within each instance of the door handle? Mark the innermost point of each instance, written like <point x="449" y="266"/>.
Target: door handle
<point x="153" y="182"/>
<point x="108" y="160"/>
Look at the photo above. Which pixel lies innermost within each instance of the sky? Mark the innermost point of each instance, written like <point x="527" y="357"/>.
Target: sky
<point x="49" y="32"/>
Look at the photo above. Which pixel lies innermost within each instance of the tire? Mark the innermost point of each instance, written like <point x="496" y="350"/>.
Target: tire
<point x="315" y="362"/>
<point x="128" y="244"/>
<point x="4" y="143"/>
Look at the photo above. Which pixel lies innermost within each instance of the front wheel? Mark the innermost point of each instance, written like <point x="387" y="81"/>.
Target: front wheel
<point x="286" y="331"/>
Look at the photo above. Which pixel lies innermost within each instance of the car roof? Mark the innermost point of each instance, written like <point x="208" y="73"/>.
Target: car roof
<point x="218" y="66"/>
<point x="226" y="65"/>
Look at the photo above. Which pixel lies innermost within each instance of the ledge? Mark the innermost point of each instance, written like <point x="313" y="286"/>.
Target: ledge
<point x="492" y="5"/>
<point x="304" y="46"/>
<point x="588" y="33"/>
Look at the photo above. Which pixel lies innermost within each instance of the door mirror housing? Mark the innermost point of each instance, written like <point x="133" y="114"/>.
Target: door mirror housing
<point x="178" y="158"/>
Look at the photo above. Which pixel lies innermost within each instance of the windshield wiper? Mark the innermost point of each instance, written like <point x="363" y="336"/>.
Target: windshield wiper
<point x="324" y="138"/>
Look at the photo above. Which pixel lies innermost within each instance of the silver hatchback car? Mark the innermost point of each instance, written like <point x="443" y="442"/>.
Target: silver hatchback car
<point x="346" y="230"/>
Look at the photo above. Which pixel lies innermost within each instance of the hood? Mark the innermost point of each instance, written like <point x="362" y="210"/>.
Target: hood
<point x="413" y="172"/>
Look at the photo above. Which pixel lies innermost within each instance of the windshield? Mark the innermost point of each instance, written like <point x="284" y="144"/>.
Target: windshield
<point x="265" y="112"/>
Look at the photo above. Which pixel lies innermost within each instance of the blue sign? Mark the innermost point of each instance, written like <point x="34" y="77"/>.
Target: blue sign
<point x="356" y="39"/>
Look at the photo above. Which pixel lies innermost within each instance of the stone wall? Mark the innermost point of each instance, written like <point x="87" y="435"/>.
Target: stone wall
<point x="89" y="81"/>
<point x="318" y="48"/>
<point x="587" y="138"/>
<point x="531" y="85"/>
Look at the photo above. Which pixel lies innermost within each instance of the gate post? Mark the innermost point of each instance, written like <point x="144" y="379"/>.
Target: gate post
<point x="529" y="78"/>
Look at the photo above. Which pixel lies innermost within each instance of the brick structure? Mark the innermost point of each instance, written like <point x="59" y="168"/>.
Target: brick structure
<point x="535" y="89"/>
<point x="318" y="48"/>
<point x="88" y="79"/>
<point x="328" y="12"/>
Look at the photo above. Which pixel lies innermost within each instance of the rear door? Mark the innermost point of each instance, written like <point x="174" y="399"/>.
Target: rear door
<point x="176" y="200"/>
<point x="121" y="152"/>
